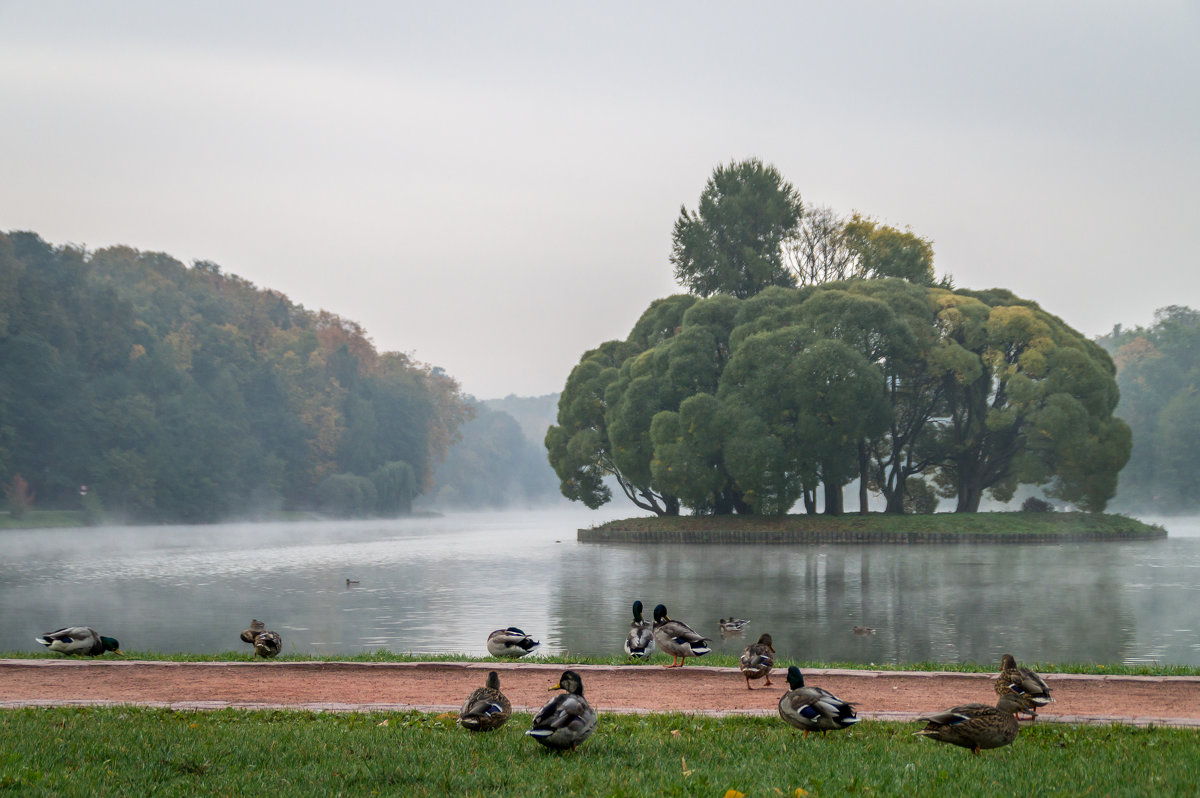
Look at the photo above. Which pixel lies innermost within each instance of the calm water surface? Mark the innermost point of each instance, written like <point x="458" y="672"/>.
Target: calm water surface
<point x="439" y="585"/>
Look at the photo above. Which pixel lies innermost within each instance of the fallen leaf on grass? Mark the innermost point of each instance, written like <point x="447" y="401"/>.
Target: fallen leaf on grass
<point x="686" y="772"/>
<point x="732" y="793"/>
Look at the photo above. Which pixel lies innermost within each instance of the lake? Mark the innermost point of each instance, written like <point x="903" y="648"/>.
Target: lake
<point x="440" y="584"/>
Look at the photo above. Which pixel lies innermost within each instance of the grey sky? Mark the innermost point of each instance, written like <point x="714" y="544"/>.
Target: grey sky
<point x="491" y="186"/>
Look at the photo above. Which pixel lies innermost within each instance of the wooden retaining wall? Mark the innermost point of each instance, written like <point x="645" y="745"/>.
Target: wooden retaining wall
<point x="611" y="535"/>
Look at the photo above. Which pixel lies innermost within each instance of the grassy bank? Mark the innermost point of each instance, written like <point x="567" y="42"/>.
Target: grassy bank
<point x="874" y="528"/>
<point x="128" y="751"/>
<point x="716" y="659"/>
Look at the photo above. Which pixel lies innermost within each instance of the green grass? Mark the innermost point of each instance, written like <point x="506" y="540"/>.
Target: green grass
<point x="749" y="528"/>
<point x="966" y="523"/>
<point x="129" y="751"/>
<point x="716" y="659"/>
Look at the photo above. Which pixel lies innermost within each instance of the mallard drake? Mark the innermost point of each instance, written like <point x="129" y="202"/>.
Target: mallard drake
<point x="975" y="726"/>
<point x="812" y="708"/>
<point x="677" y="638"/>
<point x="567" y="719"/>
<point x="267" y="643"/>
<point x="487" y="708"/>
<point x="757" y="660"/>
<point x="254" y="630"/>
<point x="78" y="640"/>
<point x="1026" y="686"/>
<point x="733" y="624"/>
<point x="510" y="642"/>
<point x="640" y="640"/>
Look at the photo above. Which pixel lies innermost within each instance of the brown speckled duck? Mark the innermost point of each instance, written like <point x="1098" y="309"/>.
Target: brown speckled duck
<point x="975" y="726"/>
<point x="486" y="709"/>
<point x="757" y="661"/>
<point x="254" y="630"/>
<point x="268" y="644"/>
<point x="1026" y="686"/>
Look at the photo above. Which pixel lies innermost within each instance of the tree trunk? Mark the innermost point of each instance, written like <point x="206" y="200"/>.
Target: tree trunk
<point x="810" y="502"/>
<point x="969" y="495"/>
<point x="833" y="499"/>
<point x="863" y="463"/>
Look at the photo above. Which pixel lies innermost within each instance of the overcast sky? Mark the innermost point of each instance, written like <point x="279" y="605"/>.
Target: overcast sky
<point x="491" y="186"/>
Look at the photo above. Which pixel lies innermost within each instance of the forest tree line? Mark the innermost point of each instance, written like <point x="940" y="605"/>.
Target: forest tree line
<point x="131" y="382"/>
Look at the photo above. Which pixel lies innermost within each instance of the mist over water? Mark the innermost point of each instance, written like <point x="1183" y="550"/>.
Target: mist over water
<point x="440" y="584"/>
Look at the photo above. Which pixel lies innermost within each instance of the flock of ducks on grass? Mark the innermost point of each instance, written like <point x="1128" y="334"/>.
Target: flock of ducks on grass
<point x="568" y="719"/>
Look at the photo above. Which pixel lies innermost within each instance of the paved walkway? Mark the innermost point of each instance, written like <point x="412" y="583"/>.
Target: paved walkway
<point x="441" y="687"/>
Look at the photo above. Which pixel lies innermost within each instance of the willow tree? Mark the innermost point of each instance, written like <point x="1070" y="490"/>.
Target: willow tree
<point x="1039" y="409"/>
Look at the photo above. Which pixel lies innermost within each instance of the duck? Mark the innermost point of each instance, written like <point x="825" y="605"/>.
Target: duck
<point x="639" y="642"/>
<point x="567" y="719"/>
<point x="975" y="726"/>
<point x="730" y="625"/>
<point x="486" y="709"/>
<point x="813" y="708"/>
<point x="352" y="582"/>
<point x="268" y="644"/>
<point x="79" y="640"/>
<point x="510" y="642"/>
<point x="1027" y="686"/>
<point x="757" y="660"/>
<point x="254" y="630"/>
<point x="864" y="630"/>
<point x="677" y="638"/>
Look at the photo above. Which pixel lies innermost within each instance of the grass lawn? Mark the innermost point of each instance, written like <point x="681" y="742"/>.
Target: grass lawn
<point x="129" y="751"/>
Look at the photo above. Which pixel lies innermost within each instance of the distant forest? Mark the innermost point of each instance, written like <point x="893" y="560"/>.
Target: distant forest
<point x="1158" y="373"/>
<point x="133" y="385"/>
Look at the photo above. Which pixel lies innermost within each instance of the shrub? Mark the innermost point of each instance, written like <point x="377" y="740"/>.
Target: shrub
<point x="1035" y="505"/>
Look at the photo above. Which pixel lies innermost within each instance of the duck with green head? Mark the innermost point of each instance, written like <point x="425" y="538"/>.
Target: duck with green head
<point x="510" y="642"/>
<point x="813" y="708"/>
<point x="639" y="642"/>
<point x="79" y="640"/>
<point x="677" y="638"/>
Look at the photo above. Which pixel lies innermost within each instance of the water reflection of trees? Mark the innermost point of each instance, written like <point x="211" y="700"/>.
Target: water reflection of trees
<point x="965" y="603"/>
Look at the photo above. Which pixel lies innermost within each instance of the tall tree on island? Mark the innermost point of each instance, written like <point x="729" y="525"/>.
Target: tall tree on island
<point x="733" y="243"/>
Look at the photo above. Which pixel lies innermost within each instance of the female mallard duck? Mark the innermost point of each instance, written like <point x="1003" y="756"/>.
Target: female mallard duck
<point x="812" y="708"/>
<point x="510" y="642"/>
<point x="677" y="638"/>
<point x="640" y="640"/>
<point x="757" y="660"/>
<point x="567" y="719"/>
<point x="487" y="708"/>
<point x="78" y="640"/>
<point x="254" y="630"/>
<point x="267" y="643"/>
<point x="975" y="726"/>
<point x="1026" y="686"/>
<point x="732" y="625"/>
